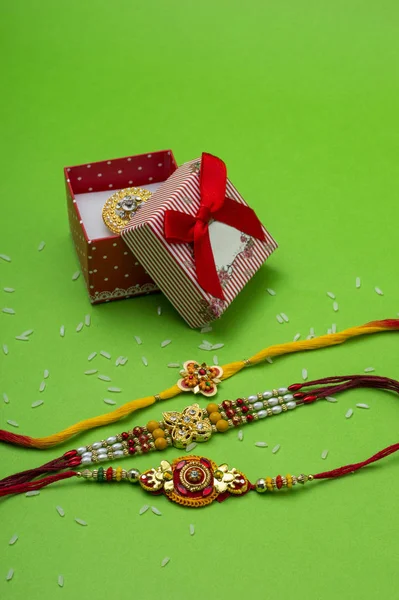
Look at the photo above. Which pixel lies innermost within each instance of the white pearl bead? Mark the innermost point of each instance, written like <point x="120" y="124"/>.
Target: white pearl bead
<point x="101" y="451"/>
<point x="262" y="414"/>
<point x="117" y="446"/>
<point x="118" y="453"/>
<point x="258" y="405"/>
<point x="82" y="450"/>
<point x="87" y="455"/>
<point x="288" y="397"/>
<point x="111" y="440"/>
<point x="282" y="390"/>
<point x="252" y="399"/>
<point x="273" y="401"/>
<point x="97" y="445"/>
<point x="277" y="410"/>
<point x="291" y="405"/>
<point x="102" y="457"/>
<point x="268" y="394"/>
<point x="86" y="461"/>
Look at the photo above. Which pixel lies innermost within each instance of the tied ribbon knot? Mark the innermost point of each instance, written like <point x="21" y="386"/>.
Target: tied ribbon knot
<point x="181" y="228"/>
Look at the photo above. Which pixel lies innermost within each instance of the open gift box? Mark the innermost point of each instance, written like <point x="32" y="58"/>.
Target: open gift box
<point x="109" y="269"/>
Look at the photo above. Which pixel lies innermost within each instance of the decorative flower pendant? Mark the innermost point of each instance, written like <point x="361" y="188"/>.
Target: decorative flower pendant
<point x="200" y="378"/>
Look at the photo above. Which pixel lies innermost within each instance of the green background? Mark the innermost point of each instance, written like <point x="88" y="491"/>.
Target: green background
<point x="301" y="101"/>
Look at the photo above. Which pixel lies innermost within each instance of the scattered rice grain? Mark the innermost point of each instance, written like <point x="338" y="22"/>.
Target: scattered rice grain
<point x="8" y="311"/>
<point x="81" y="522"/>
<point x="333" y="328"/>
<point x="284" y="316"/>
<point x="329" y="331"/>
<point x="311" y="331"/>
<point x="361" y="405"/>
<point x="46" y="373"/>
<point x="79" y="327"/>
<point x="165" y="343"/>
<point x="104" y="378"/>
<point x="296" y="337"/>
<point x="156" y="511"/>
<point x="37" y="403"/>
<point x="206" y="329"/>
<point x="144" y="509"/>
<point x="87" y="320"/>
<point x="173" y="365"/>
<point x="192" y="529"/>
<point x="61" y="580"/>
<point x="379" y="291"/>
<point x="276" y="449"/>
<point x="114" y="389"/>
<point x="60" y="511"/>
<point x="10" y="573"/>
<point x="91" y="372"/>
<point x="5" y="257"/>
<point x="13" y="540"/>
<point x="304" y="374"/>
<point x="138" y="340"/>
<point x="5" y="349"/>
<point x="62" y="331"/>
<point x="280" y="319"/>
<point x="9" y="290"/>
<point x="22" y="338"/>
<point x="324" y="454"/>
<point x="118" y="361"/>
<point x="240" y="435"/>
<point x="76" y="275"/>
<point x="331" y="399"/>
<point x="92" y="355"/>
<point x="215" y="360"/>
<point x="335" y="306"/>
<point x="261" y="444"/>
<point x="270" y="291"/>
<point x="41" y="246"/>
<point x="32" y="493"/>
<point x="349" y="413"/>
<point x="105" y="354"/>
<point x="369" y="369"/>
<point x="42" y="386"/>
<point x="5" y="398"/>
<point x="331" y="295"/>
<point x="191" y="446"/>
<point x="358" y="283"/>
<point x="145" y="361"/>
<point x="217" y="346"/>
<point x="165" y="561"/>
<point x="12" y="423"/>
<point x="109" y="401"/>
<point x="159" y="311"/>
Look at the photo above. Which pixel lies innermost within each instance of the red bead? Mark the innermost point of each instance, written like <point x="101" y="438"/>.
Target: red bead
<point x="229" y="413"/>
<point x="295" y="386"/>
<point x="74" y="461"/>
<point x="132" y="450"/>
<point x="137" y="431"/>
<point x="299" y="395"/>
<point x="309" y="399"/>
<point x="125" y="435"/>
<point x="202" y="372"/>
<point x="142" y="439"/>
<point x="190" y="377"/>
<point x="70" y="453"/>
<point x="279" y="482"/>
<point x="131" y="442"/>
<point x="226" y="404"/>
<point x="250" y="418"/>
<point x="244" y="409"/>
<point x="145" y="447"/>
<point x="108" y="473"/>
<point x="239" y="401"/>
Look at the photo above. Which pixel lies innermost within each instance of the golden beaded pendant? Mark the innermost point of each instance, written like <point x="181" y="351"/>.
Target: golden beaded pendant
<point x="121" y="206"/>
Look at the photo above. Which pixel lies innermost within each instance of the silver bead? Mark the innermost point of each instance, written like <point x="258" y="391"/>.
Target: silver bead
<point x="118" y="453"/>
<point x="268" y="394"/>
<point x="252" y="399"/>
<point x="258" y="405"/>
<point x="260" y="486"/>
<point x="102" y="457"/>
<point x="291" y="405"/>
<point x="117" y="446"/>
<point x="82" y="450"/>
<point x="262" y="414"/>
<point x="97" y="445"/>
<point x="273" y="401"/>
<point x="86" y="461"/>
<point x="282" y="390"/>
<point x="87" y="455"/>
<point x="111" y="440"/>
<point x="277" y="409"/>
<point x="133" y="475"/>
<point x="288" y="397"/>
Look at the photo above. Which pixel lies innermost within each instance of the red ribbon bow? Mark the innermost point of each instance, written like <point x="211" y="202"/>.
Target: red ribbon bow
<point x="183" y="228"/>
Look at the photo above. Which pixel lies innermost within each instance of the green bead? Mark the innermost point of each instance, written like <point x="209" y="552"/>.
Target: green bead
<point x="100" y="475"/>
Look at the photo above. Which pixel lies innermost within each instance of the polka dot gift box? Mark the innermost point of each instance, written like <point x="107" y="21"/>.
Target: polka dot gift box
<point x="108" y="266"/>
<point x="198" y="239"/>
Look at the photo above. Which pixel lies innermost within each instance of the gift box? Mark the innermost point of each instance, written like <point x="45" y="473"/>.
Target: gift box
<point x="109" y="268"/>
<point x="199" y="240"/>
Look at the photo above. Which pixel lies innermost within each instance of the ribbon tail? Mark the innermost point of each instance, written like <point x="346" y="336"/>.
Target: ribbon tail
<point x="207" y="275"/>
<point x="240" y="217"/>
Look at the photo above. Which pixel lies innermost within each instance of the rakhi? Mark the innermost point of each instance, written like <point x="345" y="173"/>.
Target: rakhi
<point x="194" y="424"/>
<point x="227" y="371"/>
<point x="195" y="481"/>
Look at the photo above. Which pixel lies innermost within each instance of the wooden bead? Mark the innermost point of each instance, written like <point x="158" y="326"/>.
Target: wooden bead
<point x="222" y="425"/>
<point x="215" y="417"/>
<point x="158" y="433"/>
<point x="160" y="443"/>
<point x="212" y="408"/>
<point x="152" y="425"/>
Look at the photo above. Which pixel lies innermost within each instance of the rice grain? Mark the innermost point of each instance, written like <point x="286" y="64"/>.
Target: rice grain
<point x="79" y="327"/>
<point x="261" y="444"/>
<point x="12" y="423"/>
<point x="42" y="386"/>
<point x="369" y="369"/>
<point x="335" y="306"/>
<point x="62" y="331"/>
<point x="276" y="449"/>
<point x="109" y="401"/>
<point x="61" y="580"/>
<point x="358" y="283"/>
<point x="104" y="378"/>
<point x="296" y="337"/>
<point x="349" y="413"/>
<point x="8" y="311"/>
<point x="143" y="509"/>
<point x="116" y="390"/>
<point x="37" y="403"/>
<point x="331" y="295"/>
<point x="156" y="511"/>
<point x="165" y="561"/>
<point x="105" y="354"/>
<point x="10" y="573"/>
<point x="280" y="319"/>
<point x="76" y="275"/>
<point x="191" y="446"/>
<point x="379" y="291"/>
<point x="165" y="343"/>
<point x="92" y="355"/>
<point x="144" y="361"/>
<point x="138" y="340"/>
<point x="13" y="540"/>
<point x="5" y="257"/>
<point x="361" y="405"/>
<point x="324" y="454"/>
<point x="9" y="290"/>
<point x="192" y="529"/>
<point x="60" y="511"/>
<point x="81" y="522"/>
<point x="87" y="320"/>
<point x="270" y="291"/>
<point x="5" y="349"/>
<point x="304" y="374"/>
<point x="41" y="246"/>
<point x="5" y="398"/>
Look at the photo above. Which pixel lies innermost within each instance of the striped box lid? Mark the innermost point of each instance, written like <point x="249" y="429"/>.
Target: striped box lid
<point x="171" y="265"/>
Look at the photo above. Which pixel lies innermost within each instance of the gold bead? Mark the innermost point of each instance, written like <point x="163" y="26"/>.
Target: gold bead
<point x="284" y="407"/>
<point x="247" y="362"/>
<point x="275" y="393"/>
